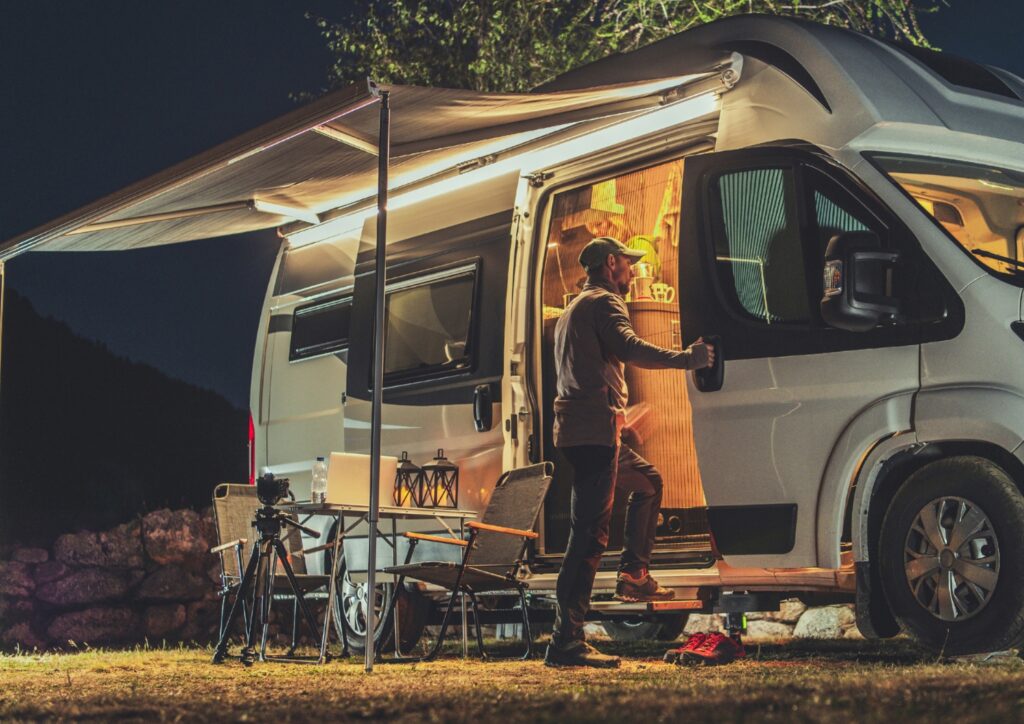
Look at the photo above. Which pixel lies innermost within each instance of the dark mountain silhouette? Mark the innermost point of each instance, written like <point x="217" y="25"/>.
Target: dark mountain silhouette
<point x="89" y="440"/>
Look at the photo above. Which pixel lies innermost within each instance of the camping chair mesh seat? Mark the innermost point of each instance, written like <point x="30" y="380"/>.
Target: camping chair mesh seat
<point x="492" y="553"/>
<point x="234" y="508"/>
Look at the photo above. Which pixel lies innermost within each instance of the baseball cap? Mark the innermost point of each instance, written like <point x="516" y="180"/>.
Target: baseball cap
<point x="597" y="250"/>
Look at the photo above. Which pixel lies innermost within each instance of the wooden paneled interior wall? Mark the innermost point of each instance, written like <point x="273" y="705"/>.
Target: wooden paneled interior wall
<point x="644" y="204"/>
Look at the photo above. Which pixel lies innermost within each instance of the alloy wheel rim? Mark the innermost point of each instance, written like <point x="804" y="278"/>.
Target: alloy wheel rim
<point x="951" y="558"/>
<point x="354" y="604"/>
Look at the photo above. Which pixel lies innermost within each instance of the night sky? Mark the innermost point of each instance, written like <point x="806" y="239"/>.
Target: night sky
<point x="97" y="94"/>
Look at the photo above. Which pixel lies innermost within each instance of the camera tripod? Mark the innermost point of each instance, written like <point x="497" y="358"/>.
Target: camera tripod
<point x="259" y="575"/>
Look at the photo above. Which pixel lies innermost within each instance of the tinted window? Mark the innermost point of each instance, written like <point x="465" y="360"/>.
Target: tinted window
<point x="320" y="328"/>
<point x="428" y="327"/>
<point x="758" y="249"/>
<point x="835" y="212"/>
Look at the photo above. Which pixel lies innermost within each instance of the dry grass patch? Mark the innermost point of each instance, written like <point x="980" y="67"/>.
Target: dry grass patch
<point x="828" y="681"/>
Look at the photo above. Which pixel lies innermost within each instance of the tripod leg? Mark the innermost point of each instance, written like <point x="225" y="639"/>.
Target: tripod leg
<point x="306" y="613"/>
<point x="221" y="652"/>
<point x="295" y="626"/>
<point x="268" y="599"/>
<point x="258" y="603"/>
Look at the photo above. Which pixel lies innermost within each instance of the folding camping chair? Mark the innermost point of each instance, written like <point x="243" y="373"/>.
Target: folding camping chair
<point x="492" y="554"/>
<point x="234" y="507"/>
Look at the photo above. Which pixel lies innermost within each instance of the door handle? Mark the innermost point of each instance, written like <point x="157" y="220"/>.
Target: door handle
<point x="710" y="379"/>
<point x="483" y="411"/>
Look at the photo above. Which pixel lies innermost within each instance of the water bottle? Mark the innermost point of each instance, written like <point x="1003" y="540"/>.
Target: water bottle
<point x="318" y="491"/>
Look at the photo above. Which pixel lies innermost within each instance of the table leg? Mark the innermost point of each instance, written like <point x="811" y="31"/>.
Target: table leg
<point x="394" y="588"/>
<point x="462" y="600"/>
<point x="331" y="590"/>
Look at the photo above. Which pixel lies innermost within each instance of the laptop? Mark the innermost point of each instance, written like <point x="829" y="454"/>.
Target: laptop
<point x="348" y="479"/>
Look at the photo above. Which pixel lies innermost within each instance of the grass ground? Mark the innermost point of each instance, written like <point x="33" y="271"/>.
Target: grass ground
<point x="800" y="681"/>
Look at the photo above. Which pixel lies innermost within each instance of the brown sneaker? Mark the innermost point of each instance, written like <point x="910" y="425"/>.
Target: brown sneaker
<point x="643" y="587"/>
<point x="579" y="653"/>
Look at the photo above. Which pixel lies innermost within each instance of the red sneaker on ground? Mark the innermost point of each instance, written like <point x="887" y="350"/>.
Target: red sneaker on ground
<point x="715" y="650"/>
<point x="672" y="656"/>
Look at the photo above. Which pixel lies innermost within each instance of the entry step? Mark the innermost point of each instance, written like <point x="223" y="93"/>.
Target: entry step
<point x="648" y="606"/>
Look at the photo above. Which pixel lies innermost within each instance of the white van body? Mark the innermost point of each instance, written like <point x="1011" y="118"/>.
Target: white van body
<point x="805" y="435"/>
<point x="876" y="461"/>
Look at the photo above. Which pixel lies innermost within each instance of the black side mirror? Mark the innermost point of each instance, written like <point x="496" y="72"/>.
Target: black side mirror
<point x="858" y="280"/>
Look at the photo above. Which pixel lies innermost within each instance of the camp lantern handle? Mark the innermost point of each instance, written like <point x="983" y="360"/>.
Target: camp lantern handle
<point x="710" y="379"/>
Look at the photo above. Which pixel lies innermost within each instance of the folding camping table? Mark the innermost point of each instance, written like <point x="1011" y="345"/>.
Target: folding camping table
<point x="358" y="515"/>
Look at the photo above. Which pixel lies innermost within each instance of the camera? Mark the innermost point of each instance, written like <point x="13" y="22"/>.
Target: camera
<point x="271" y="490"/>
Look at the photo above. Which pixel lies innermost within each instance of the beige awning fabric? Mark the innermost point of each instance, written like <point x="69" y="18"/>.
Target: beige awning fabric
<point x="323" y="156"/>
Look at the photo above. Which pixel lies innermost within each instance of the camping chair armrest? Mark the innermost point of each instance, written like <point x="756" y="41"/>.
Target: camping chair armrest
<point x="438" y="539"/>
<point x="314" y="549"/>
<point x="233" y="544"/>
<point x="500" y="529"/>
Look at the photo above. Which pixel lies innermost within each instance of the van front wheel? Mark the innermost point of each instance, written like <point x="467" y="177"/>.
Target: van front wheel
<point x="951" y="557"/>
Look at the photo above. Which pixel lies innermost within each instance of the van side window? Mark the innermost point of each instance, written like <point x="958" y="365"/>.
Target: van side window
<point x="320" y="328"/>
<point x="758" y="250"/>
<point x="428" y="326"/>
<point x="768" y="263"/>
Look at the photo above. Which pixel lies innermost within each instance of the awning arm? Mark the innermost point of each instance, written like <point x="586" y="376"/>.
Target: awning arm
<point x="349" y="138"/>
<point x="264" y="207"/>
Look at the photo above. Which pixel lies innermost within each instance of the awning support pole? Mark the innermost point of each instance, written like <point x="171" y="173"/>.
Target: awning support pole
<point x="383" y="154"/>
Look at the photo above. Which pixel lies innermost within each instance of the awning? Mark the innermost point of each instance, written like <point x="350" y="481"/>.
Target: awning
<point x="323" y="156"/>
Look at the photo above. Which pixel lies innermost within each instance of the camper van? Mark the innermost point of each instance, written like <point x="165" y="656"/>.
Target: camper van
<point x="844" y="214"/>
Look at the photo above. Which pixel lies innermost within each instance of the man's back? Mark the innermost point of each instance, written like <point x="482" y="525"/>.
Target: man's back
<point x="590" y="387"/>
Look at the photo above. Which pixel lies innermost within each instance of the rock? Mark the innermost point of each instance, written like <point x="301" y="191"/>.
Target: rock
<point x="762" y="630"/>
<point x="94" y="626"/>
<point x="789" y="611"/>
<point x="50" y="571"/>
<point x="119" y="547"/>
<point x="703" y="623"/>
<point x="853" y="633"/>
<point x="15" y="609"/>
<point x="15" y="579"/>
<point x="828" y="622"/>
<point x="163" y="619"/>
<point x="30" y="555"/>
<point x="175" y="536"/>
<point x="87" y="585"/>
<point x="202" y="623"/>
<point x="209" y="527"/>
<point x="22" y="636"/>
<point x="213" y="573"/>
<point x="173" y="583"/>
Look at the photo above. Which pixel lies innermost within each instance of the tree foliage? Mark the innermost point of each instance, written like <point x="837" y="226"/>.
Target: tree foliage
<point x="515" y="45"/>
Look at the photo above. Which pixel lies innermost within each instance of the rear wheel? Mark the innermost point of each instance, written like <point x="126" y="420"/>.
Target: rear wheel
<point x="350" y="609"/>
<point x="666" y="628"/>
<point x="951" y="556"/>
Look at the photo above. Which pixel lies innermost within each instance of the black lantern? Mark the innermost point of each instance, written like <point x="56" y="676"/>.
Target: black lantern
<point x="439" y="484"/>
<point x="407" y="481"/>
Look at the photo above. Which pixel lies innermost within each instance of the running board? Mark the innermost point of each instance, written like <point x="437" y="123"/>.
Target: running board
<point x="649" y="606"/>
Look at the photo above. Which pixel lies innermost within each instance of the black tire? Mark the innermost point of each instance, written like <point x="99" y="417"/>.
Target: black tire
<point x="973" y="618"/>
<point x="412" y="610"/>
<point x="666" y="628"/>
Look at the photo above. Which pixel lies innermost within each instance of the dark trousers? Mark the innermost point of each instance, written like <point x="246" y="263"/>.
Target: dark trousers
<point x="598" y="471"/>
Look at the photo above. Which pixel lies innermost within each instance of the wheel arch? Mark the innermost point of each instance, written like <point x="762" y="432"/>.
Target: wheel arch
<point x="890" y="465"/>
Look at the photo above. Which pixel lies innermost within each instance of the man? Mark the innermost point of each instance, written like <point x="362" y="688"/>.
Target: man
<point x="593" y="340"/>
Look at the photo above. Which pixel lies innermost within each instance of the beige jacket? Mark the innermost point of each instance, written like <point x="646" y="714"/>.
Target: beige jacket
<point x="593" y="339"/>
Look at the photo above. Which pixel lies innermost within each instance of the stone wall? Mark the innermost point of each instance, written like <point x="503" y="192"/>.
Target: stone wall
<point x="153" y="580"/>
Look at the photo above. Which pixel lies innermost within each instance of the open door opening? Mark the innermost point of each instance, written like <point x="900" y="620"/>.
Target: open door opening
<point x="640" y="208"/>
